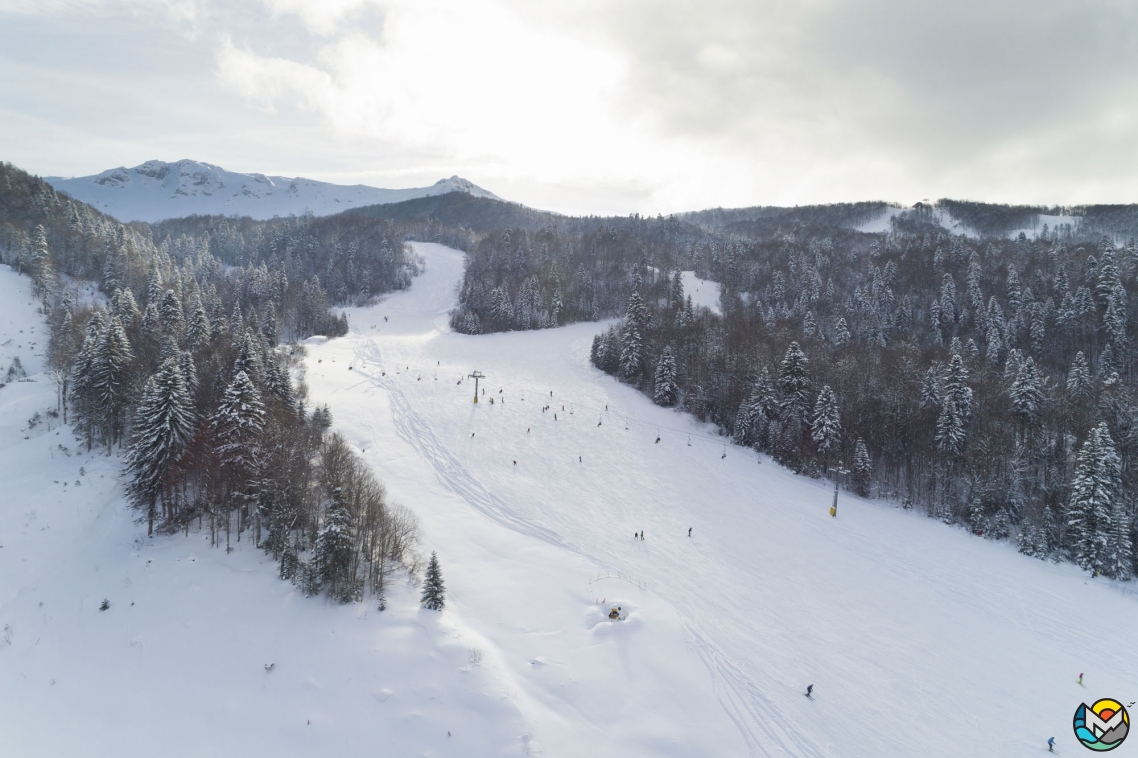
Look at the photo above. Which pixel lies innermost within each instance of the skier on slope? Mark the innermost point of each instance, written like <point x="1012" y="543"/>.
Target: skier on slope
<point x="810" y="691"/>
<point x="1050" y="744"/>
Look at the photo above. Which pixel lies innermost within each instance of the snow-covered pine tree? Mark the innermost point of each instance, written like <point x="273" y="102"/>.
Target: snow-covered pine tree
<point x="1026" y="394"/>
<point x="862" y="469"/>
<point x="334" y="553"/>
<point x="666" y="390"/>
<point x="110" y="380"/>
<point x="956" y="388"/>
<point x="40" y="265"/>
<point x="434" y="590"/>
<point x="631" y="354"/>
<point x="841" y="333"/>
<point x="1095" y="486"/>
<point x="826" y="426"/>
<point x="164" y="423"/>
<point x="170" y="313"/>
<point x="238" y="422"/>
<point x="198" y="329"/>
<point x="1079" y="386"/>
<point x="1119" y="558"/>
<point x="950" y="435"/>
<point x="794" y="384"/>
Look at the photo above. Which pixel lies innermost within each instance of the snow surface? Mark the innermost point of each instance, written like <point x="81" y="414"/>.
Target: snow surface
<point x="918" y="638"/>
<point x="883" y="223"/>
<point x="158" y="190"/>
<point x="704" y="292"/>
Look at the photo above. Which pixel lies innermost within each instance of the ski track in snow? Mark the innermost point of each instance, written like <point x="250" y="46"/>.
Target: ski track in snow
<point x="752" y="711"/>
<point x="887" y="612"/>
<point x="416" y="431"/>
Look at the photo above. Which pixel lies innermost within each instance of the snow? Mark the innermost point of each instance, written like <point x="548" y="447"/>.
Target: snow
<point x="883" y="223"/>
<point x="918" y="638"/>
<point x="913" y="633"/>
<point x="704" y="293"/>
<point x="158" y="190"/>
<point x="1051" y="220"/>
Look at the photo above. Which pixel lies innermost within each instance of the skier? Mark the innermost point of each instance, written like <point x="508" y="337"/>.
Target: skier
<point x="579" y="459"/>
<point x="810" y="691"/>
<point x="385" y="318"/>
<point x="1050" y="744"/>
<point x="641" y="534"/>
<point x="657" y="442"/>
<point x="515" y="463"/>
<point x="472" y="435"/>
<point x="689" y="531"/>
<point x="1080" y="679"/>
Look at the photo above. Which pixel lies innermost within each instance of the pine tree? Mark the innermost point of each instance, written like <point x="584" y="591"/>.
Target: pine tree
<point x="238" y="423"/>
<point x="198" y="329"/>
<point x="631" y="355"/>
<point x="110" y="385"/>
<point x="950" y="435"/>
<point x="163" y="426"/>
<point x="826" y="428"/>
<point x="862" y="469"/>
<point x="334" y="551"/>
<point x="841" y="333"/>
<point x="434" y="590"/>
<point x="170" y="313"/>
<point x="1079" y="378"/>
<point x="1096" y="484"/>
<point x="1119" y="558"/>
<point x="956" y="388"/>
<point x="794" y="384"/>
<point x="667" y="391"/>
<point x="41" y="268"/>
<point x="1027" y="393"/>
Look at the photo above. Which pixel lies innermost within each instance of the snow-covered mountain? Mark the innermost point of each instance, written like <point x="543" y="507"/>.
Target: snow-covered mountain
<point x="158" y="190"/>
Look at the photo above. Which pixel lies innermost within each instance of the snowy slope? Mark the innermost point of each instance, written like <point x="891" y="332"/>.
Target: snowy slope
<point x="919" y="638"/>
<point x="157" y="190"/>
<point x="176" y="666"/>
<point x="704" y="293"/>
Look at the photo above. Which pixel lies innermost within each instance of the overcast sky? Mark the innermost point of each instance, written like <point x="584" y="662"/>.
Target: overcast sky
<point x="601" y="106"/>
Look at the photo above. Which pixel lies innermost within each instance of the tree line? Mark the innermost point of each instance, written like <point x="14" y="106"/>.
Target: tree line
<point x="177" y="363"/>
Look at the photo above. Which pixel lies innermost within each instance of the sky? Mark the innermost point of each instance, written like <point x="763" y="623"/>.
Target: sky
<point x="591" y="106"/>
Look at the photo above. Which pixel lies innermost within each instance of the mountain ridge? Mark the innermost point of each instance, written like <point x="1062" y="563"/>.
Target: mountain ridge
<point x="159" y="190"/>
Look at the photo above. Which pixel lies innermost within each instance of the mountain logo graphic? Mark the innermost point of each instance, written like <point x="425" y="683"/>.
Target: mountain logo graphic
<point x="1102" y="726"/>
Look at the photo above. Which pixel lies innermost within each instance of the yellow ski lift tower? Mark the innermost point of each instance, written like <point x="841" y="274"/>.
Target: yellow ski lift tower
<point x="476" y="376"/>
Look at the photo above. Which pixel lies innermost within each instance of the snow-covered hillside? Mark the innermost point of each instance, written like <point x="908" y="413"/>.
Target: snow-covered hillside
<point x="918" y="638"/>
<point x="158" y="190"/>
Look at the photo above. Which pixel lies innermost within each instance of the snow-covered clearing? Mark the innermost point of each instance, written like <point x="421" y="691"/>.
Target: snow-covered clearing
<point x="918" y="638"/>
<point x="704" y="292"/>
<point x="882" y="223"/>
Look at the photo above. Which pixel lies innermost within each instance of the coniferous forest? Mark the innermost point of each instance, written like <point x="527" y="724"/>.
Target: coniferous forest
<point x="987" y="381"/>
<point x="177" y="362"/>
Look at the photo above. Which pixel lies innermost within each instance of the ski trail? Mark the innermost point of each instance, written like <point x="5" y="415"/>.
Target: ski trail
<point x="414" y="430"/>
<point x="766" y="730"/>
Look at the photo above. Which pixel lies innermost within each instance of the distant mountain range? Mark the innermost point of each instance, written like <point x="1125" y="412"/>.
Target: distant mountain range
<point x="157" y="190"/>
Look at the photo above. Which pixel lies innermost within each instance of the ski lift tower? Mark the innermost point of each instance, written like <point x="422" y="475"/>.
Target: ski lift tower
<point x="476" y="376"/>
<point x="838" y="471"/>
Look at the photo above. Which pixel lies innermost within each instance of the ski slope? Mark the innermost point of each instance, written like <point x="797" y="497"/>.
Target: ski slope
<point x="176" y="666"/>
<point x="918" y="638"/>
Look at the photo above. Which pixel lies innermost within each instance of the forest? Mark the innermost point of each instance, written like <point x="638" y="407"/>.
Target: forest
<point x="178" y="363"/>
<point x="986" y="381"/>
